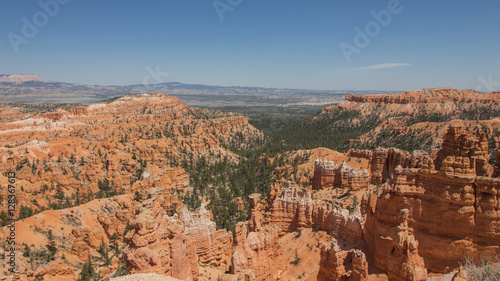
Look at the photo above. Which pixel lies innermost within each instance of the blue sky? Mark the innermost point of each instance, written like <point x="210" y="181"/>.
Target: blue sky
<point x="278" y="43"/>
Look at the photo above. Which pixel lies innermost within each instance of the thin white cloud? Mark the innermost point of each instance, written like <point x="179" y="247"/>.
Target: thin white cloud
<point x="381" y="66"/>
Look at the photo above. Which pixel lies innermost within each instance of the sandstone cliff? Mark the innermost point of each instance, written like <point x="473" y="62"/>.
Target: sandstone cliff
<point x="327" y="174"/>
<point x="383" y="161"/>
<point x="413" y="119"/>
<point x="256" y="246"/>
<point x="453" y="208"/>
<point x="337" y="264"/>
<point x="293" y="207"/>
<point x="158" y="243"/>
<point x="213" y="247"/>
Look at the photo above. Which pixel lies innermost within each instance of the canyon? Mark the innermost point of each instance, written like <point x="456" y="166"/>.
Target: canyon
<point x="105" y="186"/>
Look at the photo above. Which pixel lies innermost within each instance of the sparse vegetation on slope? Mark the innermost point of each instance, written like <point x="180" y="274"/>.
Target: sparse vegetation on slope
<point x="486" y="271"/>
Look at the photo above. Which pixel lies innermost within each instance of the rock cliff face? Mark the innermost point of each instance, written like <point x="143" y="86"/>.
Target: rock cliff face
<point x="383" y="161"/>
<point x="327" y="174"/>
<point x="461" y="151"/>
<point x="359" y="266"/>
<point x="212" y="246"/>
<point x="293" y="207"/>
<point x="332" y="262"/>
<point x="256" y="246"/>
<point x="157" y="243"/>
<point x="337" y="264"/>
<point x="453" y="208"/>
<point x="404" y="263"/>
<point x="174" y="245"/>
<point x="415" y="119"/>
<point x="439" y="99"/>
<point x="56" y="269"/>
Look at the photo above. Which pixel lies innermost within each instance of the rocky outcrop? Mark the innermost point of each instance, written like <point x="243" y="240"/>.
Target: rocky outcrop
<point x="144" y="277"/>
<point x="359" y="266"/>
<point x="426" y="96"/>
<point x="437" y="104"/>
<point x="56" y="269"/>
<point x="463" y="152"/>
<point x="256" y="246"/>
<point x="88" y="236"/>
<point x="293" y="207"/>
<point x="332" y="262"/>
<point x="451" y="206"/>
<point x="53" y="116"/>
<point x="337" y="264"/>
<point x="79" y="110"/>
<point x="81" y="249"/>
<point x="404" y="263"/>
<point x="415" y="119"/>
<point x="383" y="161"/>
<point x="158" y="244"/>
<point x="213" y="247"/>
<point x="328" y="174"/>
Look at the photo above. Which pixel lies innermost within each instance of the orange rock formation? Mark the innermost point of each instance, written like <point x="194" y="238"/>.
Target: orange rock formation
<point x="337" y="264"/>
<point x="327" y="174"/>
<point x="293" y="207"/>
<point x="256" y="246"/>
<point x="453" y="208"/>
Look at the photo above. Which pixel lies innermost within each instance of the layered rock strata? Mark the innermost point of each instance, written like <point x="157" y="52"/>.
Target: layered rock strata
<point x="453" y="205"/>
<point x="336" y="264"/>
<point x="404" y="262"/>
<point x="383" y="161"/>
<point x="256" y="246"/>
<point x="157" y="242"/>
<point x="213" y="247"/>
<point x="293" y="208"/>
<point x="328" y="174"/>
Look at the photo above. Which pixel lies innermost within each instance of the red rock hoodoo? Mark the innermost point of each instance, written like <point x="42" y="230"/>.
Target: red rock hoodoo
<point x="453" y="208"/>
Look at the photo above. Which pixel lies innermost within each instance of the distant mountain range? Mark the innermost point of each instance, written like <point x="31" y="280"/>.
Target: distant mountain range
<point x="19" y="78"/>
<point x="32" y="89"/>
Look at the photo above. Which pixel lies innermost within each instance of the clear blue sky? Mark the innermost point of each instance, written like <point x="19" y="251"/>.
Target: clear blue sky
<point x="269" y="43"/>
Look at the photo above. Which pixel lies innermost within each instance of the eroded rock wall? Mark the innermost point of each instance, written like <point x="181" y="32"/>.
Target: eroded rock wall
<point x="453" y="208"/>
<point x="328" y="174"/>
<point x="256" y="246"/>
<point x="293" y="208"/>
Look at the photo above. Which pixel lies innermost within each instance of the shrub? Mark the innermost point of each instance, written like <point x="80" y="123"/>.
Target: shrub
<point x="483" y="272"/>
<point x="137" y="196"/>
<point x="297" y="258"/>
<point x="88" y="273"/>
<point x="25" y="212"/>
